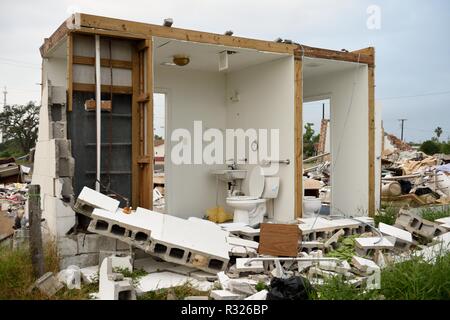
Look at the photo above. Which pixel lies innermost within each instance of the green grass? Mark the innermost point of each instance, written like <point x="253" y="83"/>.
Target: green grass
<point x="433" y="214"/>
<point x="178" y="293"/>
<point x="410" y="280"/>
<point x="387" y="214"/>
<point x="16" y="276"/>
<point x="345" y="249"/>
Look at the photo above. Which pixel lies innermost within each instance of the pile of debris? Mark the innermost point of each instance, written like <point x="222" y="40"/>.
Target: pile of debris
<point x="415" y="178"/>
<point x="13" y="198"/>
<point x="238" y="261"/>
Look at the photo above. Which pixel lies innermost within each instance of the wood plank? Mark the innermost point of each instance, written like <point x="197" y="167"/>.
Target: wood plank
<point x="280" y="240"/>
<point x="90" y="61"/>
<point x="86" y="87"/>
<point x="371" y="138"/>
<point x="298" y="132"/>
<point x="135" y="190"/>
<point x="69" y="72"/>
<point x="321" y="53"/>
<point x="147" y="30"/>
<point x="55" y="39"/>
<point x="149" y="126"/>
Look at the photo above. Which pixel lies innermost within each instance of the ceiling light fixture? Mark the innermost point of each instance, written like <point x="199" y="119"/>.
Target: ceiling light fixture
<point x="181" y="60"/>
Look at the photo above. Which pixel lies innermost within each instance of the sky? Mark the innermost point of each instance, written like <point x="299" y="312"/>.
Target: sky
<point x="411" y="40"/>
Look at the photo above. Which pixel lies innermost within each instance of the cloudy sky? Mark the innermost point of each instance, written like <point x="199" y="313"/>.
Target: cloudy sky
<point x="412" y="43"/>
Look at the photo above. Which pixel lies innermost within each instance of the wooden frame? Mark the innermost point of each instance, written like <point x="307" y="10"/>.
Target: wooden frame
<point x="142" y="87"/>
<point x="298" y="131"/>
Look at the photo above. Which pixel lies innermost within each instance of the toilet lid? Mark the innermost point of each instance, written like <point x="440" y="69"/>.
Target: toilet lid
<point x="256" y="182"/>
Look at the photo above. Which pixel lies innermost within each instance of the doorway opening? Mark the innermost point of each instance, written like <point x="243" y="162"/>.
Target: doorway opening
<point x="317" y="156"/>
<point x="159" y="145"/>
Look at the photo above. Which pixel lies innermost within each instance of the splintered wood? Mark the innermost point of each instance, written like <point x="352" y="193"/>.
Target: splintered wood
<point x="279" y="239"/>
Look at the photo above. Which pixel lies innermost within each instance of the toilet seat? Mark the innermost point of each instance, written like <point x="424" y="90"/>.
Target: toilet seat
<point x="242" y="198"/>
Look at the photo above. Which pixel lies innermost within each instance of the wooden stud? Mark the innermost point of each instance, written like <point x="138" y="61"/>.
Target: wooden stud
<point x="298" y="132"/>
<point x="149" y="138"/>
<point x="135" y="190"/>
<point x="87" y="87"/>
<point x="321" y="53"/>
<point x="55" y="38"/>
<point x="371" y="118"/>
<point x="69" y="72"/>
<point x="90" y="61"/>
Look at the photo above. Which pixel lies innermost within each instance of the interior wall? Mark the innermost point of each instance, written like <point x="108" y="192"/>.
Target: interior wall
<point x="192" y="95"/>
<point x="349" y="135"/>
<point x="266" y="101"/>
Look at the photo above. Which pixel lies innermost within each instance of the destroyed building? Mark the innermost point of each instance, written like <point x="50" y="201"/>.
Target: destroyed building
<point x="93" y="63"/>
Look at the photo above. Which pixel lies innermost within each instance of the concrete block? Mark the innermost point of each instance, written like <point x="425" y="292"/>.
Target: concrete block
<point x="58" y="130"/>
<point x="160" y="280"/>
<point x="89" y="274"/>
<point x="375" y="243"/>
<point x="63" y="187"/>
<point x="67" y="246"/>
<point x="106" y="243"/>
<point x="242" y="242"/>
<point x="48" y="284"/>
<point x="57" y="94"/>
<point x="150" y="265"/>
<point x="87" y="243"/>
<point x="363" y="264"/>
<point x="395" y="232"/>
<point x="81" y="260"/>
<point x="90" y="199"/>
<point x="443" y="220"/>
<point x="112" y="287"/>
<point x="225" y="295"/>
<point x="119" y="258"/>
<point x="203" y="276"/>
<point x="255" y="266"/>
<point x="65" y="167"/>
<point x="261" y="295"/>
<point x="64" y="224"/>
<point x="63" y="148"/>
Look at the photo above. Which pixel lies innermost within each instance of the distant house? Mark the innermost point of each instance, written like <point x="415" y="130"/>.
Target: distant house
<point x="158" y="152"/>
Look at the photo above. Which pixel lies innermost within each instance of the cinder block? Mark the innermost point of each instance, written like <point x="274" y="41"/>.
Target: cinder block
<point x="65" y="167"/>
<point x="63" y="148"/>
<point x="87" y="243"/>
<point x="58" y="130"/>
<point x="89" y="199"/>
<point x="67" y="246"/>
<point x="81" y="260"/>
<point x="57" y="95"/>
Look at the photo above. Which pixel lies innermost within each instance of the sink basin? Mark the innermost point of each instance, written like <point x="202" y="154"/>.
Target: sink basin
<point x="229" y="175"/>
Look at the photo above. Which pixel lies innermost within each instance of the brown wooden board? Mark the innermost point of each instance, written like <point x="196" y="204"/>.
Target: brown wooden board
<point x="279" y="240"/>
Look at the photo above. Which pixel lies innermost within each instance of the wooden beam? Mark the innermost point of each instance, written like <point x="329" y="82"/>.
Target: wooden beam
<point x="371" y="115"/>
<point x="86" y="87"/>
<point x="148" y="30"/>
<point x="320" y="53"/>
<point x="135" y="190"/>
<point x="69" y="72"/>
<point x="298" y="134"/>
<point x="149" y="104"/>
<point x="90" y="61"/>
<point x="55" y="39"/>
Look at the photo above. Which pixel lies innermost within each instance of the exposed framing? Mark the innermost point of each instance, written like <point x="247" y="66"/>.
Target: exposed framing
<point x="142" y="157"/>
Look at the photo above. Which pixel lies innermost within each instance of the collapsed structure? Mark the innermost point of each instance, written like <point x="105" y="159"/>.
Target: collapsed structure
<point x="258" y="84"/>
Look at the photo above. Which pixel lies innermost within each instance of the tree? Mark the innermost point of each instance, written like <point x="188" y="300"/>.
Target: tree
<point x="19" y="123"/>
<point x="430" y="147"/>
<point x="309" y="141"/>
<point x="438" y="132"/>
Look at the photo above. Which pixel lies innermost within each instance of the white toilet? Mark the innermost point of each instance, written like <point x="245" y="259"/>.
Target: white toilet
<point x="250" y="209"/>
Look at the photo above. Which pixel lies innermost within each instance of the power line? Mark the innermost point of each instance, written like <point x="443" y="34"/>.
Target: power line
<point x="417" y="95"/>
<point x="403" y="123"/>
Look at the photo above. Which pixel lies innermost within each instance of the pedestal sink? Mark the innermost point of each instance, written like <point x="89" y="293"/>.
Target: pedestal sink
<point x="229" y="175"/>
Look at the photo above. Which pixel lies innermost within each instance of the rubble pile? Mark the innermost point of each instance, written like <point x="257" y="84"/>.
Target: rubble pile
<point x="226" y="261"/>
<point x="13" y="198"/>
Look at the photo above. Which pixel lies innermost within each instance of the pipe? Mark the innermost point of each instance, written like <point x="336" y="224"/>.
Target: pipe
<point x="98" y="110"/>
<point x="249" y="261"/>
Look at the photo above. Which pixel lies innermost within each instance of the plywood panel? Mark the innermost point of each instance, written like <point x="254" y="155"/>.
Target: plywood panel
<point x="279" y="239"/>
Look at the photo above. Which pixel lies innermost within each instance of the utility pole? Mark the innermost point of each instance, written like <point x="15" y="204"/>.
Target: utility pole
<point x="323" y="111"/>
<point x="402" y="125"/>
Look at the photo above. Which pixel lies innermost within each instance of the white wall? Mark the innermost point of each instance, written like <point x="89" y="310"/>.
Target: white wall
<point x="191" y="95"/>
<point x="266" y="93"/>
<point x="349" y="135"/>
